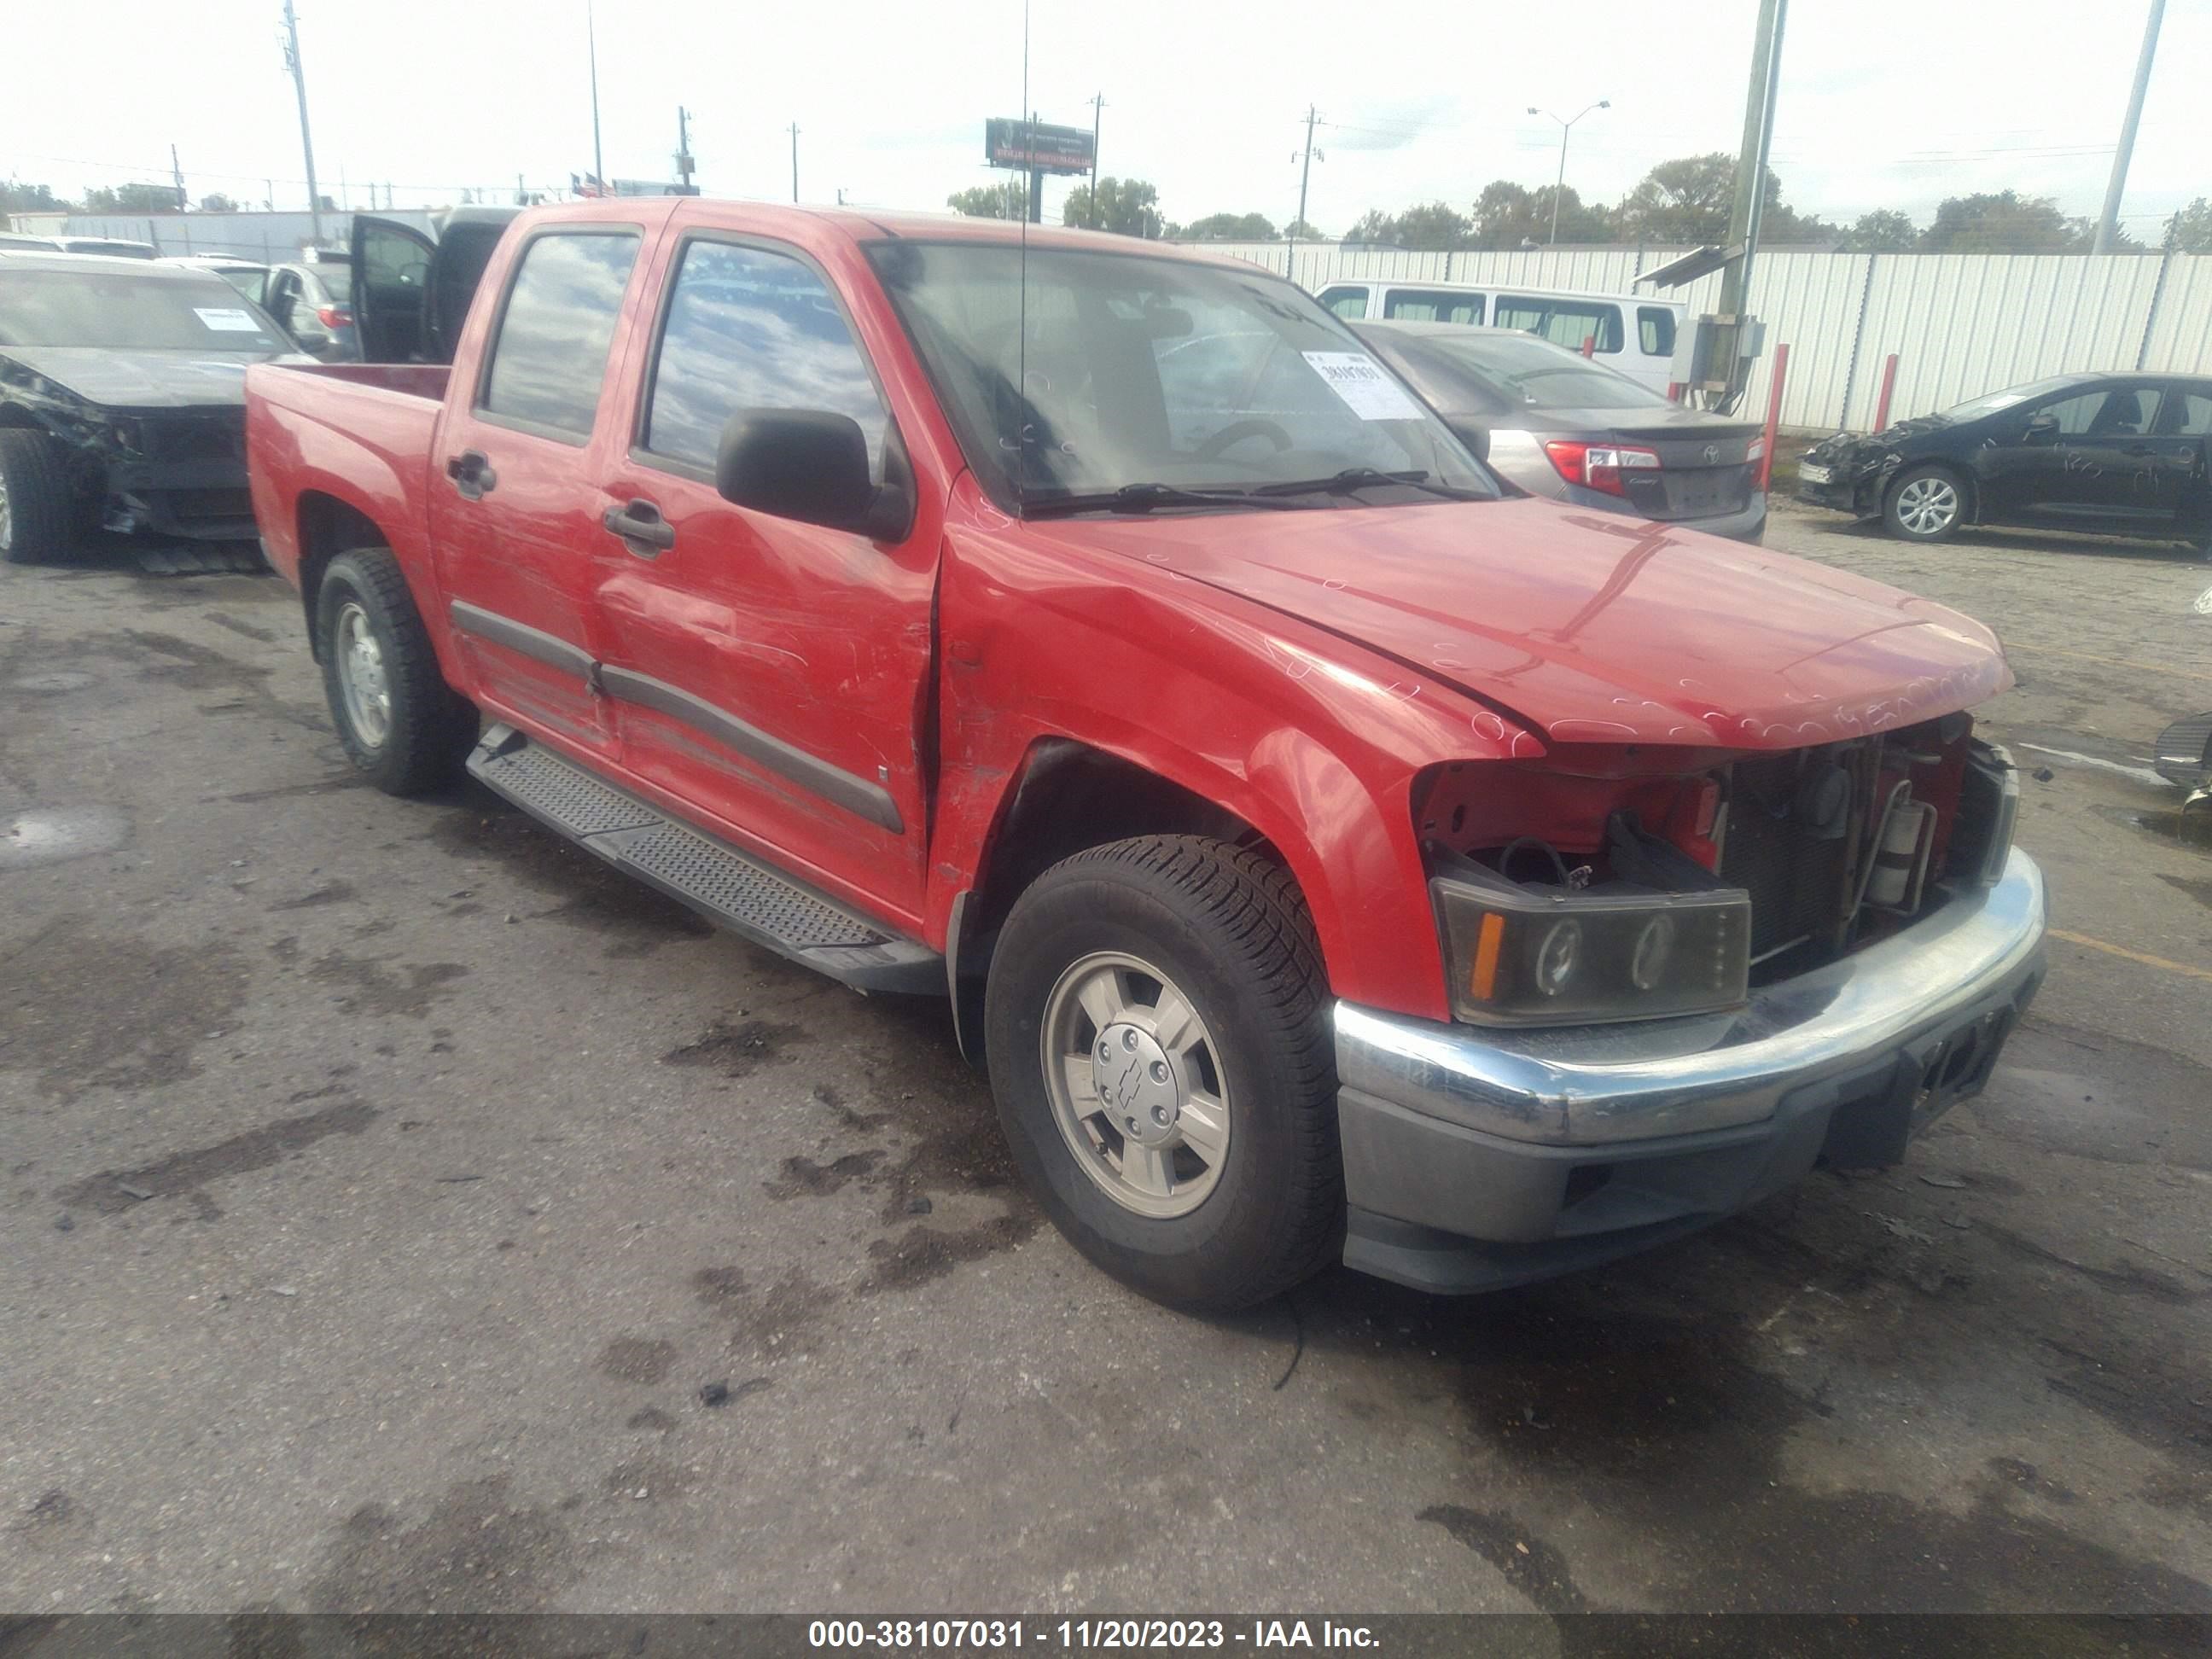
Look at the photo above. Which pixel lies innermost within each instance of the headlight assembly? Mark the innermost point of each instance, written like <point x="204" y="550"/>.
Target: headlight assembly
<point x="1529" y="956"/>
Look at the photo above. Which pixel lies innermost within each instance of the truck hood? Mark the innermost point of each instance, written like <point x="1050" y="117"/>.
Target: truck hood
<point x="1588" y="627"/>
<point x="141" y="380"/>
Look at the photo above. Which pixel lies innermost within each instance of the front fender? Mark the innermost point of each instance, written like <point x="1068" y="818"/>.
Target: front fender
<point x="1312" y="741"/>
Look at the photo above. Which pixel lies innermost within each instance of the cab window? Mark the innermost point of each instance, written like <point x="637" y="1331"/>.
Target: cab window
<point x="1350" y="303"/>
<point x="749" y="328"/>
<point x="1655" y="330"/>
<point x="550" y="358"/>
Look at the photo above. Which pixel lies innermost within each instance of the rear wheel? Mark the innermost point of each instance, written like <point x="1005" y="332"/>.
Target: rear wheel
<point x="401" y="724"/>
<point x="37" y="519"/>
<point x="1157" y="1018"/>
<point x="1924" y="504"/>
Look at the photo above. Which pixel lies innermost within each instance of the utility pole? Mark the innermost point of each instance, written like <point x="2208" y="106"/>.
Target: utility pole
<point x="1097" y="109"/>
<point x="1750" y="157"/>
<point x="1560" y="188"/>
<point x="2108" y="221"/>
<point x="307" y="144"/>
<point x="269" y="196"/>
<point x="592" y="55"/>
<point x="177" y="171"/>
<point x="794" y="161"/>
<point x="521" y="196"/>
<point x="684" y="169"/>
<point x="345" y="196"/>
<point x="1305" y="175"/>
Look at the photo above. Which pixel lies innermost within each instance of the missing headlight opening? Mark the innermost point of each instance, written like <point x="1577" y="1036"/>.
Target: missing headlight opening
<point x="1632" y="882"/>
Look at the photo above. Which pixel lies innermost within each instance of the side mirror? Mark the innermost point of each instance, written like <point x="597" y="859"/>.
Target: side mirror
<point x="810" y="465"/>
<point x="2041" y="428"/>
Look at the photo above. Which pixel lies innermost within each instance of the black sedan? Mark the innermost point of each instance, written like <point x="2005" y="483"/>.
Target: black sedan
<point x="123" y="401"/>
<point x="1551" y="423"/>
<point x="2116" y="454"/>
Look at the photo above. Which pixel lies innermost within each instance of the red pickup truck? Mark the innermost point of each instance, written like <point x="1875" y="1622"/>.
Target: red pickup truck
<point x="1327" y="854"/>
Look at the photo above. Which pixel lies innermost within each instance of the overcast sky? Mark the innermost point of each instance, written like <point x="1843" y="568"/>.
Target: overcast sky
<point x="1884" y="103"/>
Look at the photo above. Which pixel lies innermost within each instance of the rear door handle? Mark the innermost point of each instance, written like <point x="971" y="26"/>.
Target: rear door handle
<point x="642" y="529"/>
<point x="470" y="471"/>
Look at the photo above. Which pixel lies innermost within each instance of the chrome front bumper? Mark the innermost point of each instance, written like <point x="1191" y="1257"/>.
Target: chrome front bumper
<point x="1479" y="1134"/>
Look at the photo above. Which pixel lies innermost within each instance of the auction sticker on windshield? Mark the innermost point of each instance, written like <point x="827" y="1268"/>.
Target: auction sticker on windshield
<point x="225" y="319"/>
<point x="1366" y="390"/>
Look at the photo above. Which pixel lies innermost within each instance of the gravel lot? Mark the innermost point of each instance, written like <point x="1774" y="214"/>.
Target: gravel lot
<point x="386" y="1181"/>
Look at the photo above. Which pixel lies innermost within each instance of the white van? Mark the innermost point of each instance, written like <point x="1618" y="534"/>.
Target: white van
<point x="1633" y="333"/>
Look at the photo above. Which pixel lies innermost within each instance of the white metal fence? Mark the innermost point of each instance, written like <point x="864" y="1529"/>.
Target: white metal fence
<point x="1961" y="324"/>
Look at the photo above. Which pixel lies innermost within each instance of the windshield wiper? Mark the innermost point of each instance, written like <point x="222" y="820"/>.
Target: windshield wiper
<point x="1141" y="498"/>
<point x="1365" y="477"/>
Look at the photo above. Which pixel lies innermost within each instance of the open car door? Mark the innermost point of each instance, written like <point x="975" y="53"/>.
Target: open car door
<point x="391" y="288"/>
<point x="412" y="288"/>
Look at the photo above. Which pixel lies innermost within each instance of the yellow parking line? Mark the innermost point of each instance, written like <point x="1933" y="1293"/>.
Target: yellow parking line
<point x="2117" y="662"/>
<point x="2144" y="957"/>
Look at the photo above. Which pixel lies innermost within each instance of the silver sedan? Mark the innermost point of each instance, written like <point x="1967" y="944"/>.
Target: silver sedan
<point x="1552" y="422"/>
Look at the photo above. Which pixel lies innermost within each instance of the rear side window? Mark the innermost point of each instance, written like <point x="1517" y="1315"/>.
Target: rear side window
<point x="1655" y="330"/>
<point x="747" y="328"/>
<point x="1563" y="322"/>
<point x="1350" y="303"/>
<point x="551" y="355"/>
<point x="1414" y="305"/>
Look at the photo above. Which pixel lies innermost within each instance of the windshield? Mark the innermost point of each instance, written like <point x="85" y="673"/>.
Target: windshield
<point x="1137" y="370"/>
<point x="131" y="311"/>
<point x="1513" y="372"/>
<point x="1991" y="403"/>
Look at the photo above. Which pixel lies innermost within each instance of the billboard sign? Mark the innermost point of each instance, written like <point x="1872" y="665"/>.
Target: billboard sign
<point x="1036" y="147"/>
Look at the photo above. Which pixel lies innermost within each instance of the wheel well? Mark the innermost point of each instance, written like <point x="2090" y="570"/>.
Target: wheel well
<point x="1070" y="797"/>
<point x="328" y="527"/>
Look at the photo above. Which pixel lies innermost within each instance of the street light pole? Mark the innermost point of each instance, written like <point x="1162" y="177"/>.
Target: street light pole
<point x="592" y="52"/>
<point x="2108" y="221"/>
<point x="1566" y="127"/>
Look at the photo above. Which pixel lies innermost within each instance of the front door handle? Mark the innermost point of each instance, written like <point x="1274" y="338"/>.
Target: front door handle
<point x="470" y="471"/>
<point x="642" y="529"/>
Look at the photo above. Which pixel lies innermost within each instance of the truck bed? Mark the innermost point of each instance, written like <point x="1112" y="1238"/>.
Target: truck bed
<point x="356" y="435"/>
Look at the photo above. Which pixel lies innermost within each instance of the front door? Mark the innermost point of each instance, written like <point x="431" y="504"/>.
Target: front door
<point x="770" y="671"/>
<point x="2076" y="461"/>
<point x="391" y="288"/>
<point x="514" y="517"/>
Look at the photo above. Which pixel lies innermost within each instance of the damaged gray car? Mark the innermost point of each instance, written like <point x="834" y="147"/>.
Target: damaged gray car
<point x="123" y="402"/>
<point x="2107" y="454"/>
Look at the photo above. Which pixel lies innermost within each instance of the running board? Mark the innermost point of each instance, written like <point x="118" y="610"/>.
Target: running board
<point x="730" y="888"/>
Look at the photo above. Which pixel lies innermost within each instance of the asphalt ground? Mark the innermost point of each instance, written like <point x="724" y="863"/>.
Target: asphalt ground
<point x="402" y="1211"/>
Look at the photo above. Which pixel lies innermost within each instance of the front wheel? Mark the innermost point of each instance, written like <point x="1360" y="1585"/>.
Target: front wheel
<point x="402" y="726"/>
<point x="37" y="520"/>
<point x="1924" y="504"/>
<point x="1157" y="1021"/>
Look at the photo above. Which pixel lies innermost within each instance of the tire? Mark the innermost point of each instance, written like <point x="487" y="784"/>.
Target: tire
<point x="1925" y="503"/>
<point x="1238" y="1193"/>
<point x="403" y="727"/>
<point x="38" y="520"/>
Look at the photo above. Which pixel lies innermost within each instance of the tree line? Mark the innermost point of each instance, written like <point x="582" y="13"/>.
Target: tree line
<point x="18" y="197"/>
<point x="1684" y="202"/>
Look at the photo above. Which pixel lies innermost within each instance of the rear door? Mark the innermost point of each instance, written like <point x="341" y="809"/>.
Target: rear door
<point x="2179" y="440"/>
<point x="514" y="518"/>
<point x="392" y="266"/>
<point x="769" y="672"/>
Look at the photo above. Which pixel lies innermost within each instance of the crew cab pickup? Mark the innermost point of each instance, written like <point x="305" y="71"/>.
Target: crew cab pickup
<point x="1326" y="854"/>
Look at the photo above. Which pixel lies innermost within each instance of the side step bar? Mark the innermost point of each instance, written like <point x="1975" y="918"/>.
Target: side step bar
<point x="730" y="888"/>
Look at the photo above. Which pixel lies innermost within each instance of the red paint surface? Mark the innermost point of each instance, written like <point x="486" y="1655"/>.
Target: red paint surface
<point x="1303" y="670"/>
<point x="1773" y="414"/>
